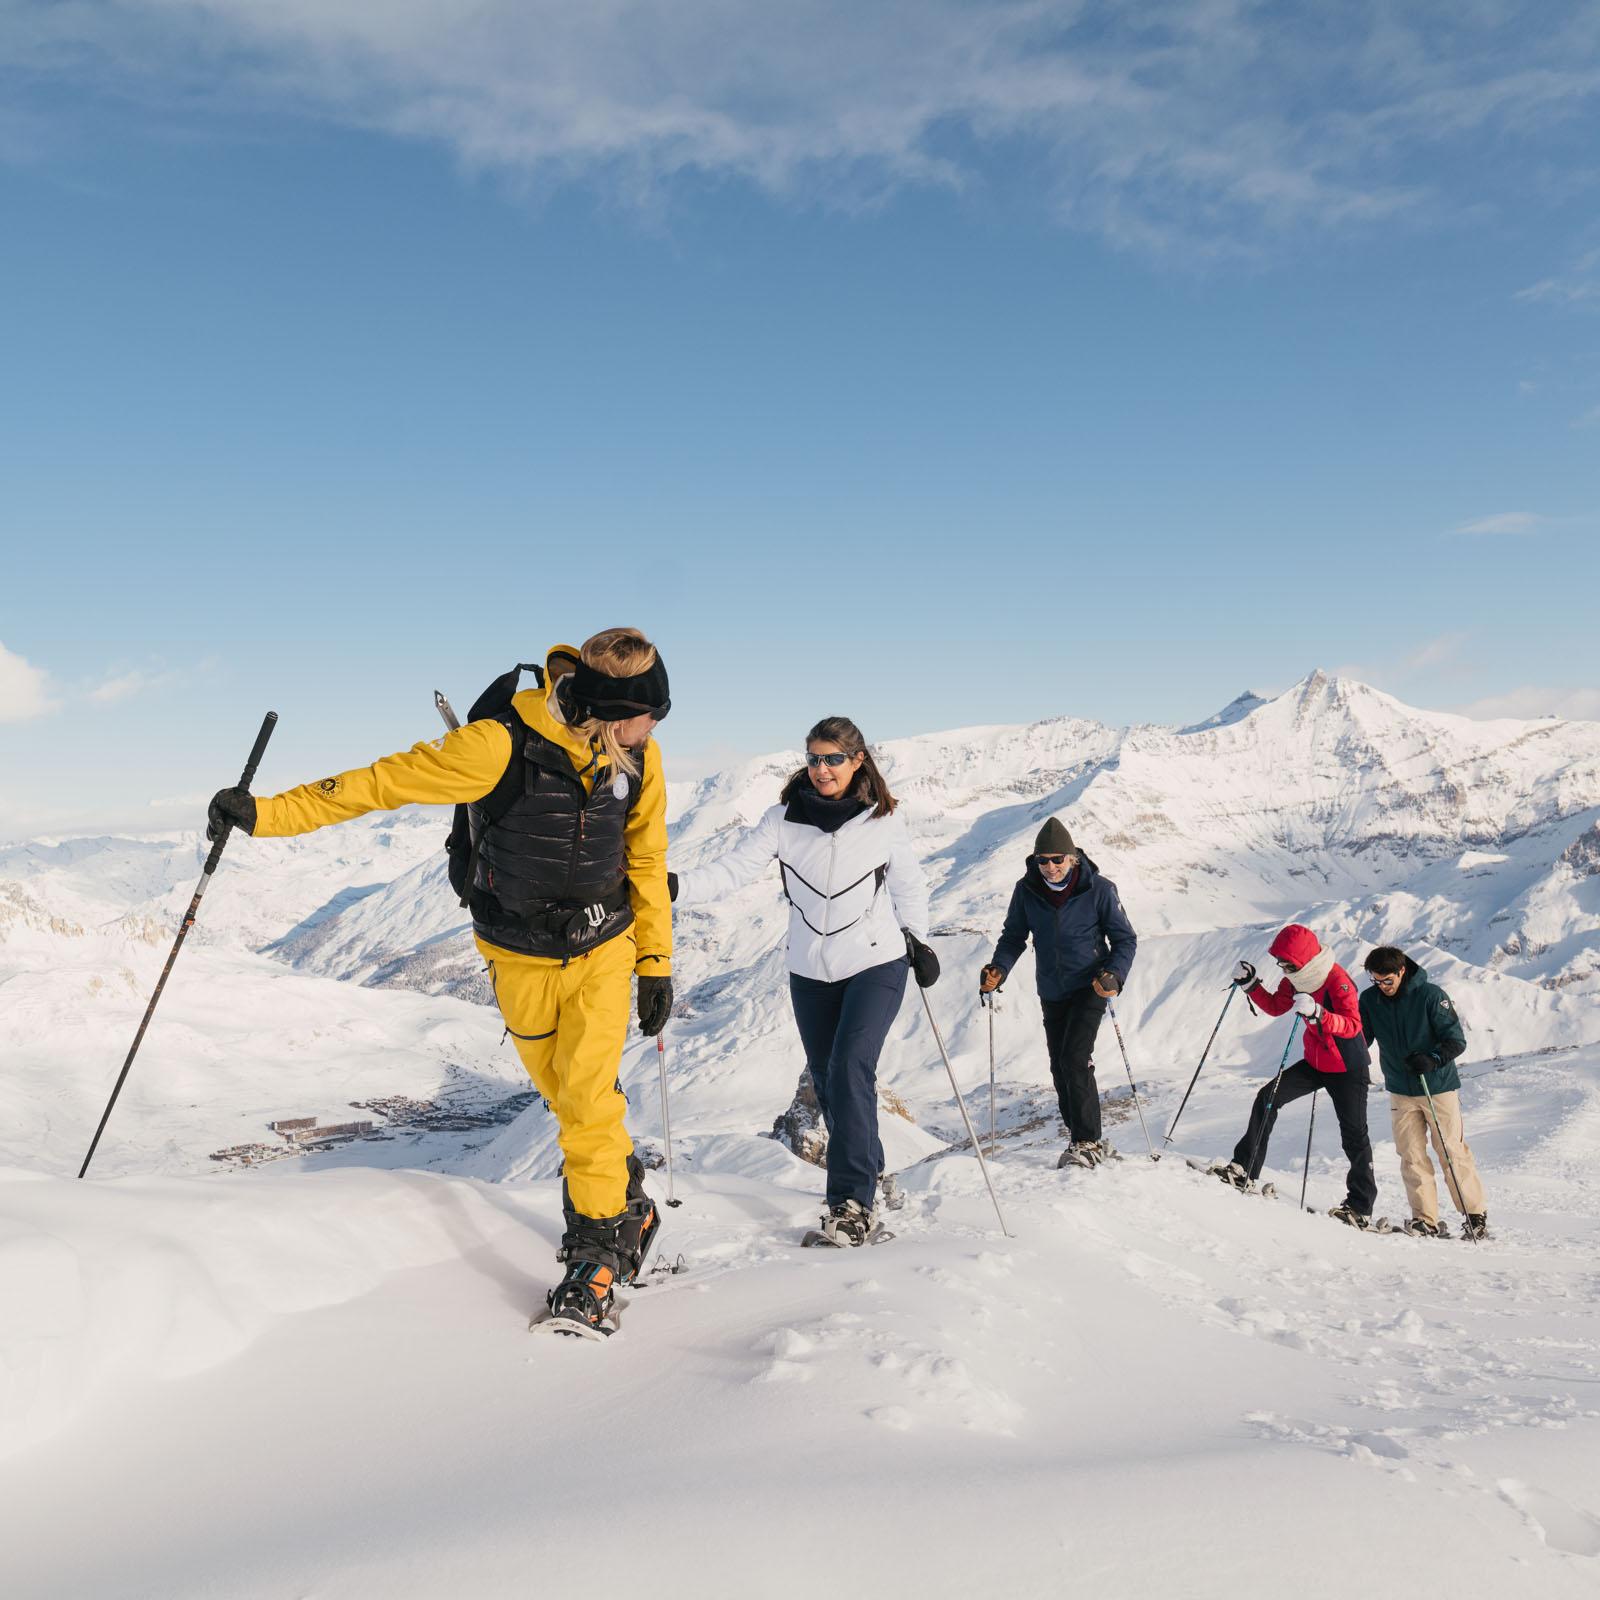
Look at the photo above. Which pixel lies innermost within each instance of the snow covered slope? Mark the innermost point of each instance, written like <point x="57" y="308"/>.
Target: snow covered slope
<point x="311" y="1376"/>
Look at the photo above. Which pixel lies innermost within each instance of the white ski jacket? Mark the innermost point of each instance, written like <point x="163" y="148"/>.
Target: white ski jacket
<point x="850" y="892"/>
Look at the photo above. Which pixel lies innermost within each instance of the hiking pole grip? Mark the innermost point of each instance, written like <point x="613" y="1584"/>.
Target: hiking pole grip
<point x="268" y="723"/>
<point x="257" y="750"/>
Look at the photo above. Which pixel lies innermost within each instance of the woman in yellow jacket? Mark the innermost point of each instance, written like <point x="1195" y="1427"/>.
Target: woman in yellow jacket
<point x="567" y="885"/>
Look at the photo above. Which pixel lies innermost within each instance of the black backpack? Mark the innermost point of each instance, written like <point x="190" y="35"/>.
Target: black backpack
<point x="460" y="846"/>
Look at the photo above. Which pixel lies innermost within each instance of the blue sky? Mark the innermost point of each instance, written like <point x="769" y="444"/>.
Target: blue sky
<point x="935" y="363"/>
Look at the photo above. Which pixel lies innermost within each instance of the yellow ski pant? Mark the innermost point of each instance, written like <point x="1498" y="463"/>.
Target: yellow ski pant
<point x="570" y="1021"/>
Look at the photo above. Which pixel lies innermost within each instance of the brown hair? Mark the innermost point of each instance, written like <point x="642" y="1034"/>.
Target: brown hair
<point x="867" y="785"/>
<point x="618" y="653"/>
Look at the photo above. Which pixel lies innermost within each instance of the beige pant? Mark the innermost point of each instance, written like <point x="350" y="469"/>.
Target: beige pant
<point x="1413" y="1127"/>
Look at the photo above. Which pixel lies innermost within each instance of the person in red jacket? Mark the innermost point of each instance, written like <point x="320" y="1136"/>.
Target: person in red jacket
<point x="1323" y="995"/>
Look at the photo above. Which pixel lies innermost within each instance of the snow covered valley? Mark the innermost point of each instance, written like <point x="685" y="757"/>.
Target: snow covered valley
<point x="311" y="1375"/>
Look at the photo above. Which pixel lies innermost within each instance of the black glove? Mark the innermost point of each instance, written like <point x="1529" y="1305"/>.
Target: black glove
<point x="1421" y="1061"/>
<point x="655" y="1005"/>
<point x="1110" y="982"/>
<point x="990" y="978"/>
<point x="672" y="886"/>
<point x="1244" y="975"/>
<point x="230" y="808"/>
<point x="924" y="963"/>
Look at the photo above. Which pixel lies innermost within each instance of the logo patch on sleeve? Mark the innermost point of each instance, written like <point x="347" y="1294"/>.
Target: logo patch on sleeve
<point x="329" y="787"/>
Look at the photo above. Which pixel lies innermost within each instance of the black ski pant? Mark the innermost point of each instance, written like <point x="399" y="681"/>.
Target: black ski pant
<point x="1070" y="1027"/>
<point x="843" y="1026"/>
<point x="1347" y="1091"/>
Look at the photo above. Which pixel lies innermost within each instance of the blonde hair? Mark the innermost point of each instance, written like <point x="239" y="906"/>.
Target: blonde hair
<point x="618" y="653"/>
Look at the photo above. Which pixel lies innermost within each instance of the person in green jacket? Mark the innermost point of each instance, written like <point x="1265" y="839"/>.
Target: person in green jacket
<point x="1419" y="1036"/>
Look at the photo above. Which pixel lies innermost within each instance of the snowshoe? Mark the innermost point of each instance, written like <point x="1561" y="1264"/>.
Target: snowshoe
<point x="1086" y="1153"/>
<point x="1474" y="1227"/>
<point x="1348" y="1215"/>
<point x="845" y="1226"/>
<point x="891" y="1197"/>
<point x="582" y="1305"/>
<point x="1232" y="1174"/>
<point x="1421" y="1228"/>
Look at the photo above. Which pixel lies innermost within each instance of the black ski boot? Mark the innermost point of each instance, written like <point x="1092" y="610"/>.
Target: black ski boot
<point x="583" y="1302"/>
<point x="1231" y="1173"/>
<point x="636" y="1227"/>
<point x="1347" y="1214"/>
<point x="1475" y="1225"/>
<point x="640" y="1225"/>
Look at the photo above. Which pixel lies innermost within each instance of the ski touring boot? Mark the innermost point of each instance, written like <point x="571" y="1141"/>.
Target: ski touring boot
<point x="636" y="1234"/>
<point x="1347" y="1214"/>
<point x="584" y="1303"/>
<point x="891" y="1197"/>
<point x="845" y="1226"/>
<point x="1474" y="1226"/>
<point x="1421" y="1228"/>
<point x="1086" y="1153"/>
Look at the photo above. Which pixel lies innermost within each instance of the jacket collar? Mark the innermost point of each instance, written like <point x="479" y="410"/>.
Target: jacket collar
<point x="1034" y="879"/>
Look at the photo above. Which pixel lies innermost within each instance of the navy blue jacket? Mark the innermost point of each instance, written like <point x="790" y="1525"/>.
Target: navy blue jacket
<point x="1089" y="933"/>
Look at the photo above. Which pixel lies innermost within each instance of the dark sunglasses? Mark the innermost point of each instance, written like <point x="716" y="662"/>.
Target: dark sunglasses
<point x="1288" y="966"/>
<point x="832" y="759"/>
<point x="1050" y="861"/>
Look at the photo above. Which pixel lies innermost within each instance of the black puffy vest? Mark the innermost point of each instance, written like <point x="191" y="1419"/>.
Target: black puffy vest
<point x="550" y="878"/>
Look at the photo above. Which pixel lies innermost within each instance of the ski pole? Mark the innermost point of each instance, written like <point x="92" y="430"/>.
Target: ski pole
<point x="1272" y="1096"/>
<point x="1305" y="1176"/>
<point x="666" y="1119"/>
<point x="977" y="1149"/>
<point x="267" y="724"/>
<point x="987" y="1002"/>
<point x="1233" y="989"/>
<point x="1444" y="1150"/>
<point x="1133" y="1087"/>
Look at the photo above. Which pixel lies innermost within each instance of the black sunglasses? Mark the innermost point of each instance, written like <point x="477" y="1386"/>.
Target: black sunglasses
<point x="832" y="759"/>
<point x="1288" y="966"/>
<point x="1050" y="861"/>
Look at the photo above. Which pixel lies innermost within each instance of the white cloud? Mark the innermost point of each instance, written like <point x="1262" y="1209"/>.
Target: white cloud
<point x="1581" y="282"/>
<point x="1153" y="122"/>
<point x="1436" y="652"/>
<point x="1506" y="522"/>
<point x="1578" y="705"/>
<point x="24" y="689"/>
<point x="124" y="686"/>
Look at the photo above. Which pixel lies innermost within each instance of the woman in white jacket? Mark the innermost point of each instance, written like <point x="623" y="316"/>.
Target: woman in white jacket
<point x="858" y="916"/>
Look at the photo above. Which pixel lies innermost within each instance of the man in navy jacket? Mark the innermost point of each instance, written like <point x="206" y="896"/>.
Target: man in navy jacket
<point x="1083" y="947"/>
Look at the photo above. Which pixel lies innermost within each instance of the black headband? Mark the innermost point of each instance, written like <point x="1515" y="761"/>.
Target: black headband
<point x="607" y="699"/>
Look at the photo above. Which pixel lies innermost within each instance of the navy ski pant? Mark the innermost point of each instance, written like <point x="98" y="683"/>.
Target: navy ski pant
<point x="843" y="1026"/>
<point x="1070" y="1027"/>
<point x="1348" y="1093"/>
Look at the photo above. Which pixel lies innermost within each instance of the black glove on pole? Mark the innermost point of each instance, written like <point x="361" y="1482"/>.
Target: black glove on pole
<point x="655" y="1005"/>
<point x="923" y="962"/>
<point x="268" y="723"/>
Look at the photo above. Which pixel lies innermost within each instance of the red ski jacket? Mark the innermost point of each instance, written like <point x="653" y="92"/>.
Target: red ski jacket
<point x="1334" y="1042"/>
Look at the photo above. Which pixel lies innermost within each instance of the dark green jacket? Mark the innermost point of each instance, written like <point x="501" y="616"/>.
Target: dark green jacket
<point x="1420" y="1019"/>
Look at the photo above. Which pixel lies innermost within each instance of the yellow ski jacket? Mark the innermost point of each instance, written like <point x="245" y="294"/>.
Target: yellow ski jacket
<point x="464" y="765"/>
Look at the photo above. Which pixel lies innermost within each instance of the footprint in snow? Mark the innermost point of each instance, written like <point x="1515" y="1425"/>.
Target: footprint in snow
<point x="1557" y="1523"/>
